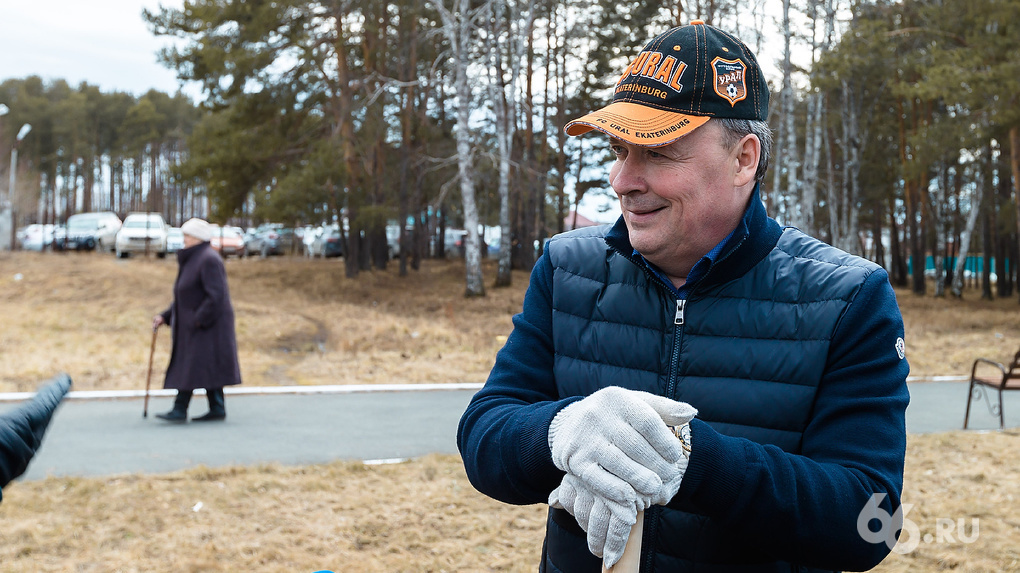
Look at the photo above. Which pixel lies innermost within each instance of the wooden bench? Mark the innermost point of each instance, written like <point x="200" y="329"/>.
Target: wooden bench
<point x="1002" y="378"/>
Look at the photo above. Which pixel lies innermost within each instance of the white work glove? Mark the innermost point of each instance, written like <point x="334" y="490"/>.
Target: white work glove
<point x="607" y="522"/>
<point x="617" y="441"/>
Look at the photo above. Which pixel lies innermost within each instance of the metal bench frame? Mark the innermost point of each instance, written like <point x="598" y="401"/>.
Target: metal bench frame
<point x="1007" y="378"/>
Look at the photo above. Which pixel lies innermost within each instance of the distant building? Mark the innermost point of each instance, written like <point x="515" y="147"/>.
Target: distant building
<point x="575" y="220"/>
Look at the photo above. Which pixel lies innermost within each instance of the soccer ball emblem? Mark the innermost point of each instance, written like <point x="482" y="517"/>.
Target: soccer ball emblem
<point x="731" y="90"/>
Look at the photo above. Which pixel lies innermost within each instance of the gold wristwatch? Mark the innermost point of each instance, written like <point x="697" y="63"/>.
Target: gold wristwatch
<point x="683" y="433"/>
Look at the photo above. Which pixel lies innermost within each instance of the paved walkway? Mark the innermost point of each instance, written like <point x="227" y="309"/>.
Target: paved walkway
<point x="92" y="436"/>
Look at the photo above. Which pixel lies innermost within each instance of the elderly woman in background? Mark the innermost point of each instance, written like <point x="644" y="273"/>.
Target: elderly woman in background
<point x="201" y="320"/>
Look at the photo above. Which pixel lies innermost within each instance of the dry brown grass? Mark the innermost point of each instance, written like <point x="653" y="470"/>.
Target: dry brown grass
<point x="417" y="516"/>
<point x="944" y="335"/>
<point x="421" y="515"/>
<point x="298" y="321"/>
<point x="302" y="322"/>
<point x="962" y="476"/>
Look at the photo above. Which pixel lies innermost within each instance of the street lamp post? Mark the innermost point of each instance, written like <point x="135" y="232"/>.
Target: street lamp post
<point x="14" y="179"/>
<point x="3" y="111"/>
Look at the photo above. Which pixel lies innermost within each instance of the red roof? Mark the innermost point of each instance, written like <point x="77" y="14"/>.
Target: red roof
<point x="582" y="221"/>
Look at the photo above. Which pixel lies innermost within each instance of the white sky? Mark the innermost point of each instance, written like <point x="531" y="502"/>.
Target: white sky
<point x="104" y="42"/>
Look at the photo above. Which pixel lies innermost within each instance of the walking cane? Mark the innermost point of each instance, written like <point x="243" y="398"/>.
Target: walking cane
<point x="148" y="377"/>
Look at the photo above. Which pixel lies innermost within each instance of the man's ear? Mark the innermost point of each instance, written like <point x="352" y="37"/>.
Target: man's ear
<point x="746" y="155"/>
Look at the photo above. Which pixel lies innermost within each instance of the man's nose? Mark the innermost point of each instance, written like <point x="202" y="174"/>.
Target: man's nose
<point x="627" y="176"/>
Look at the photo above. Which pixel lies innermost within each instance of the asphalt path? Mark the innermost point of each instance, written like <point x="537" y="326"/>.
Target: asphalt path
<point x="92" y="436"/>
<point x="106" y="437"/>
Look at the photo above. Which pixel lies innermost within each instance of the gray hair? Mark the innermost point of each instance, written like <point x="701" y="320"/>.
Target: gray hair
<point x="738" y="128"/>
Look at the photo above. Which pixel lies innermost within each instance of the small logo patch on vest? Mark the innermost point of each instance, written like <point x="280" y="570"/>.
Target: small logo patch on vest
<point x="901" y="348"/>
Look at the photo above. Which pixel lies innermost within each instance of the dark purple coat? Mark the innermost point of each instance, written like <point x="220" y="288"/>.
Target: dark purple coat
<point x="201" y="321"/>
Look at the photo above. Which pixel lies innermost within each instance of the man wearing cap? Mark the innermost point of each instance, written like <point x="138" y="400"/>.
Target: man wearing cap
<point x="201" y="318"/>
<point x="741" y="383"/>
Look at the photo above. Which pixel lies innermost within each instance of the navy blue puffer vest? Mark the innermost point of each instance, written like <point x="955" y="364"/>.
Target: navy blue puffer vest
<point x="741" y="351"/>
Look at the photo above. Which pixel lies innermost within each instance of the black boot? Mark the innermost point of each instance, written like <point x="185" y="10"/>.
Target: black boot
<point x="179" y="414"/>
<point x="217" y="409"/>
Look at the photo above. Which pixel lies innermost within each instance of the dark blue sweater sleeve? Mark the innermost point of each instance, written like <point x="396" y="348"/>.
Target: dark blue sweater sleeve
<point x="503" y="434"/>
<point x="805" y="507"/>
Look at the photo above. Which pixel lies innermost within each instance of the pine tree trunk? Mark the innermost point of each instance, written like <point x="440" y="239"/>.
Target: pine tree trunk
<point x="1014" y="163"/>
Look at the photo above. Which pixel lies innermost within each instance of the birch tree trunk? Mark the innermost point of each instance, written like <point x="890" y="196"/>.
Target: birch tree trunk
<point x="976" y="200"/>
<point x="838" y="197"/>
<point x="791" y="161"/>
<point x="776" y="202"/>
<point x="845" y="219"/>
<point x="938" y="215"/>
<point x="457" y="27"/>
<point x="813" y="129"/>
<point x="503" y="81"/>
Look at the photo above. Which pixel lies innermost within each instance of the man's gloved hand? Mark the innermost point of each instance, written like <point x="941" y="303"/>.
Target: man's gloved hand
<point x="22" y="429"/>
<point x="617" y="441"/>
<point x="607" y="522"/>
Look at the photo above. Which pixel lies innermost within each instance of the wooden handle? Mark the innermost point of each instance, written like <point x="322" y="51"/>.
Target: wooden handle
<point x="630" y="562"/>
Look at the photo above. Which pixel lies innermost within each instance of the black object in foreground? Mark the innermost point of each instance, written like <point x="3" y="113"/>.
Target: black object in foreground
<point x="22" y="429"/>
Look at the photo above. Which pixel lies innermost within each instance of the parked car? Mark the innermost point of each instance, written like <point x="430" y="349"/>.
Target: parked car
<point x="308" y="237"/>
<point x="249" y="239"/>
<point x="228" y="241"/>
<point x="303" y="237"/>
<point x="454" y="241"/>
<point x="174" y="239"/>
<point x="88" y="231"/>
<point x="392" y="240"/>
<point x="272" y="239"/>
<point x="35" y="237"/>
<point x="327" y="244"/>
<point x="265" y="240"/>
<point x="140" y="233"/>
<point x="290" y="243"/>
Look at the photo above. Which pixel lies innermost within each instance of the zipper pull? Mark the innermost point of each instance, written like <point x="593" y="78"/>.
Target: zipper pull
<point x="680" y="303"/>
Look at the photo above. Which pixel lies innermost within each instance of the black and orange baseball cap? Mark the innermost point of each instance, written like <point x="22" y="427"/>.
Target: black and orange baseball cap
<point x="679" y="81"/>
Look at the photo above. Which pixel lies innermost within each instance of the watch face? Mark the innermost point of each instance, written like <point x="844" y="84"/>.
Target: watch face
<point x="683" y="433"/>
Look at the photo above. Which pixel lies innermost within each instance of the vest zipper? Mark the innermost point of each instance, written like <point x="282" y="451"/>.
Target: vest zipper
<point x="679" y="318"/>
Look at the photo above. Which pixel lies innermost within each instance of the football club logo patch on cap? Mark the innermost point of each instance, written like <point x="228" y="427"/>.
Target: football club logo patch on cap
<point x="728" y="79"/>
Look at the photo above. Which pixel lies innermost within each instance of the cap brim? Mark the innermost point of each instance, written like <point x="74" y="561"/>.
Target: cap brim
<point x="637" y="124"/>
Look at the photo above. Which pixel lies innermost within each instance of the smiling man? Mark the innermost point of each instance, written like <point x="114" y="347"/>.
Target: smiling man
<point x="741" y="383"/>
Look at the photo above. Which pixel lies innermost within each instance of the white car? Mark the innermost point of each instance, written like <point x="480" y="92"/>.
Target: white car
<point x="86" y="231"/>
<point x="140" y="233"/>
<point x="35" y="237"/>
<point x="174" y="240"/>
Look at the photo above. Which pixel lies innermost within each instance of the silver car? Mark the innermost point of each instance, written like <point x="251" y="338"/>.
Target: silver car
<point x="87" y="231"/>
<point x="141" y="233"/>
